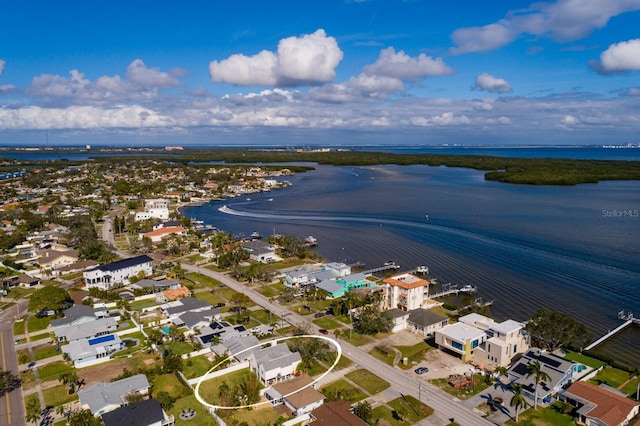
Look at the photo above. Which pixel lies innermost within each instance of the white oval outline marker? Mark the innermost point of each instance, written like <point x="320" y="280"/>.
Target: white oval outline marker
<point x="259" y="345"/>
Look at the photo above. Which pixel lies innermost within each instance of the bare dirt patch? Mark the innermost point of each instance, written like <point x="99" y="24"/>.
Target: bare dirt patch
<point x="109" y="370"/>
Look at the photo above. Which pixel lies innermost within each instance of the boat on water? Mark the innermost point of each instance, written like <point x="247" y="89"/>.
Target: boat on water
<point x="422" y="269"/>
<point x="311" y="240"/>
<point x="255" y="235"/>
<point x="468" y="289"/>
<point x="426" y="217"/>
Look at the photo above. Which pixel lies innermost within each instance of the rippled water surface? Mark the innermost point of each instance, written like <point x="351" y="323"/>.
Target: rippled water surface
<point x="574" y="249"/>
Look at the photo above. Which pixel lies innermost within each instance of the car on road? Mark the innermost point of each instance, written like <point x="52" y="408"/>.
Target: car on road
<point x="219" y="305"/>
<point x="319" y="315"/>
<point x="31" y="364"/>
<point x="323" y="331"/>
<point x="421" y="370"/>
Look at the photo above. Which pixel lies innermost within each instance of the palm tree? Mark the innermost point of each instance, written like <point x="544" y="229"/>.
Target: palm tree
<point x="535" y="370"/>
<point x="517" y="400"/>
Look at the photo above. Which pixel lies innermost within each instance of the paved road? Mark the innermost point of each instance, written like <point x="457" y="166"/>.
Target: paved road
<point x="11" y="404"/>
<point x="444" y="405"/>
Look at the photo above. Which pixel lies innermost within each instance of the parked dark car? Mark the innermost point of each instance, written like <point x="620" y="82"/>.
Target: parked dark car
<point x="219" y="305"/>
<point x="323" y="331"/>
<point x="319" y="315"/>
<point x="421" y="370"/>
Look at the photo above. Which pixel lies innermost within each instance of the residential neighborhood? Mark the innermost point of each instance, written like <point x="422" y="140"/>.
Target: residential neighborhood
<point x="123" y="312"/>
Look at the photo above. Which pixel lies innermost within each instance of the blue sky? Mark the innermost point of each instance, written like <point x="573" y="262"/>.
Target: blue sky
<point x="341" y="72"/>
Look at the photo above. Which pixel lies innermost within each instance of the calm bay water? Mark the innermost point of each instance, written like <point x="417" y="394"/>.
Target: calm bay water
<point x="573" y="249"/>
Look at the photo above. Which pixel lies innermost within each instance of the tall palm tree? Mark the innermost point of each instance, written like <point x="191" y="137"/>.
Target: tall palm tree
<point x="517" y="400"/>
<point x="535" y="370"/>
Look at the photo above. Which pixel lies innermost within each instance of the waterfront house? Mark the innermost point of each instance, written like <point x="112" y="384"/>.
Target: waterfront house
<point x="332" y="288"/>
<point x="505" y="339"/>
<point x="460" y="339"/>
<point x="116" y="274"/>
<point x="147" y="412"/>
<point x="274" y="363"/>
<point x="293" y="397"/>
<point x="104" y="397"/>
<point x="405" y="291"/>
<point x="154" y="209"/>
<point x="301" y="276"/>
<point x="261" y="251"/>
<point x="599" y="405"/>
<point x="340" y="268"/>
<point x="482" y="340"/>
<point x="562" y="372"/>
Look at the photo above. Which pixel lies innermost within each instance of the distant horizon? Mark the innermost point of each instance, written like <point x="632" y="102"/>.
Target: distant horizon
<point x="554" y="72"/>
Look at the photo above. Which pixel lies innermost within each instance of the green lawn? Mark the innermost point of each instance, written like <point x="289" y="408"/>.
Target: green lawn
<point x="29" y="398"/>
<point x="140" y="304"/>
<point x="269" y="291"/>
<point x="18" y="327"/>
<point x="196" y="366"/>
<point x="368" y="381"/>
<point x="209" y="388"/>
<point x="209" y="297"/>
<point x="53" y="371"/>
<point x="583" y="359"/>
<point x="179" y="348"/>
<point x="171" y="384"/>
<point x="45" y="351"/>
<point x="382" y="412"/>
<point x="610" y="376"/>
<point x="414" y="354"/>
<point x="27" y="378"/>
<point x="383" y="354"/>
<point x="341" y="389"/>
<point x="58" y="395"/>
<point x="36" y="324"/>
<point x="204" y="279"/>
<point x="264" y="415"/>
<point x="542" y="417"/>
<point x="345" y="319"/>
<point x="411" y="408"/>
<point x="462" y="393"/>
<point x="42" y="336"/>
<point x="327" y="323"/>
<point x="355" y="338"/>
<point x="202" y="417"/>
<point x="263" y="316"/>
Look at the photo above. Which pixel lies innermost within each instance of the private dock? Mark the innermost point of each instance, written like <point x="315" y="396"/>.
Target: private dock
<point x="385" y="267"/>
<point x="453" y="289"/>
<point x="628" y="320"/>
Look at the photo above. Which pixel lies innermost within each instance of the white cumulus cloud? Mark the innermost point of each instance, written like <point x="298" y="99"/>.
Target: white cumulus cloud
<point x="489" y="83"/>
<point x="563" y="20"/>
<point x="404" y="67"/>
<point x="310" y="59"/>
<point x="141" y="83"/>
<point x="619" y="57"/>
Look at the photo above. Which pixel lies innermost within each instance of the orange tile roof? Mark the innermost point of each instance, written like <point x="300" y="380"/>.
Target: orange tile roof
<point x="406" y="285"/>
<point x="176" y="294"/>
<point x="165" y="231"/>
<point x="611" y="408"/>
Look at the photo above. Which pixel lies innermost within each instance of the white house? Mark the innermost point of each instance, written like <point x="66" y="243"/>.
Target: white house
<point x="154" y="209"/>
<point x="116" y="274"/>
<point x="274" y="364"/>
<point x="405" y="291"/>
<point x="88" y="352"/>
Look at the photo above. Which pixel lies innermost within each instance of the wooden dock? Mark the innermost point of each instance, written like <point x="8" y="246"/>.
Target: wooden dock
<point x="381" y="268"/>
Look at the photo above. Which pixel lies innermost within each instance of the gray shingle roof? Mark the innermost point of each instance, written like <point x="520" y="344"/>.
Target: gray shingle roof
<point x="102" y="395"/>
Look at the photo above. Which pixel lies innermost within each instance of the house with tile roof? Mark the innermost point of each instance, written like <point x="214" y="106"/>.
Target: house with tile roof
<point x="104" y="397"/>
<point x="159" y="234"/>
<point x="405" y="291"/>
<point x="597" y="405"/>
